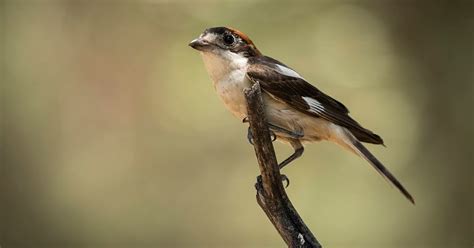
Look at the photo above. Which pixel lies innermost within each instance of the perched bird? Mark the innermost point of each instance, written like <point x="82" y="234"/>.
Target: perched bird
<point x="296" y="111"/>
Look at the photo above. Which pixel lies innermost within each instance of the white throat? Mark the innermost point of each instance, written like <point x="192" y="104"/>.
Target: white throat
<point x="219" y="65"/>
<point x="228" y="73"/>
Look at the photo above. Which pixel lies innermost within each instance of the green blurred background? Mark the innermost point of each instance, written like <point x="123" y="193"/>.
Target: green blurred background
<point x="112" y="134"/>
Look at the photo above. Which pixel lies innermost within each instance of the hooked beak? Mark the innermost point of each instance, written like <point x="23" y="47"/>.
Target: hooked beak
<point x="200" y="44"/>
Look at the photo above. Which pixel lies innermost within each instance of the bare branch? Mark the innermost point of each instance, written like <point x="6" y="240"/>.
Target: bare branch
<point x="271" y="195"/>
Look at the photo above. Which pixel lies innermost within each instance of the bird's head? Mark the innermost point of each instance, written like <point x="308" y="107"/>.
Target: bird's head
<point x="222" y="40"/>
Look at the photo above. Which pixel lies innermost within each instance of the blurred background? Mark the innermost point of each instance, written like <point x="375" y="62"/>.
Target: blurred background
<point x="111" y="134"/>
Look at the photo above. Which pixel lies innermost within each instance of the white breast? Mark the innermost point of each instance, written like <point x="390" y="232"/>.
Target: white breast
<point x="227" y="71"/>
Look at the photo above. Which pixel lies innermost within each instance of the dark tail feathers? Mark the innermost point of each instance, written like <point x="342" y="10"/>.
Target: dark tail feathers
<point x="363" y="152"/>
<point x="365" y="135"/>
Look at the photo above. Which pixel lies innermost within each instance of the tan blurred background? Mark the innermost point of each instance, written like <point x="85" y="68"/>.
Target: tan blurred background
<point x="112" y="134"/>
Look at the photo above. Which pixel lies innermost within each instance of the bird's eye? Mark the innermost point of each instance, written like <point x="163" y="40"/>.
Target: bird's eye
<point x="229" y="39"/>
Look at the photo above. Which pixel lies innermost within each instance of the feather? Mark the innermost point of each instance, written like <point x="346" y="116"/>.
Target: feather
<point x="285" y="84"/>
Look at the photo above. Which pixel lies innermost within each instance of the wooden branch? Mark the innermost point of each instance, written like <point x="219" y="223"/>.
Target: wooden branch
<point x="271" y="195"/>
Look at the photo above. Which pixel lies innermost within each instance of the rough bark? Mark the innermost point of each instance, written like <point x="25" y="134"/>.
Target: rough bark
<point x="271" y="195"/>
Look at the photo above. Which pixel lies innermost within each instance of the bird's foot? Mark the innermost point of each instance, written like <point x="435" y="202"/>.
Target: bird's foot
<point x="273" y="136"/>
<point x="284" y="179"/>
<point x="250" y="136"/>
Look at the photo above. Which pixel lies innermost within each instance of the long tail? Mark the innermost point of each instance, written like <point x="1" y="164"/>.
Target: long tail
<point x="353" y="144"/>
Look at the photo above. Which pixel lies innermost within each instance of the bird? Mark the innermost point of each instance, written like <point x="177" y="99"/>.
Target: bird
<point x="297" y="112"/>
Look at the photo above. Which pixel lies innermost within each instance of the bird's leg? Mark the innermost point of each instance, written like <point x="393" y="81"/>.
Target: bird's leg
<point x="299" y="149"/>
<point x="292" y="134"/>
<point x="295" y="143"/>
<point x="273" y="136"/>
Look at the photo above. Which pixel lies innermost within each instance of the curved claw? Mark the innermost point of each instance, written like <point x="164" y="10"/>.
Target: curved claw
<point x="284" y="178"/>
<point x="259" y="179"/>
<point x="250" y="136"/>
<point x="245" y="120"/>
<point x="273" y="137"/>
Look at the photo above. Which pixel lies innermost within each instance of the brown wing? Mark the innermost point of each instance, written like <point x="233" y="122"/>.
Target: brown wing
<point x="303" y="96"/>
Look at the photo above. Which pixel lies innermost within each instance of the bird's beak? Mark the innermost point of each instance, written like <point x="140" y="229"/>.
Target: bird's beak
<point x="200" y="44"/>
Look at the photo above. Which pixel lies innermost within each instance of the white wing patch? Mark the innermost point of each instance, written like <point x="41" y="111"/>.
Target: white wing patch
<point x="287" y="71"/>
<point x="314" y="105"/>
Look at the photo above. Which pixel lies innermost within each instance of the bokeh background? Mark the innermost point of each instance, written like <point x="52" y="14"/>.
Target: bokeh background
<point x="112" y="134"/>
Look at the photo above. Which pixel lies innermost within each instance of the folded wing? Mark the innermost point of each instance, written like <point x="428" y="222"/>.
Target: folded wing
<point x="286" y="85"/>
